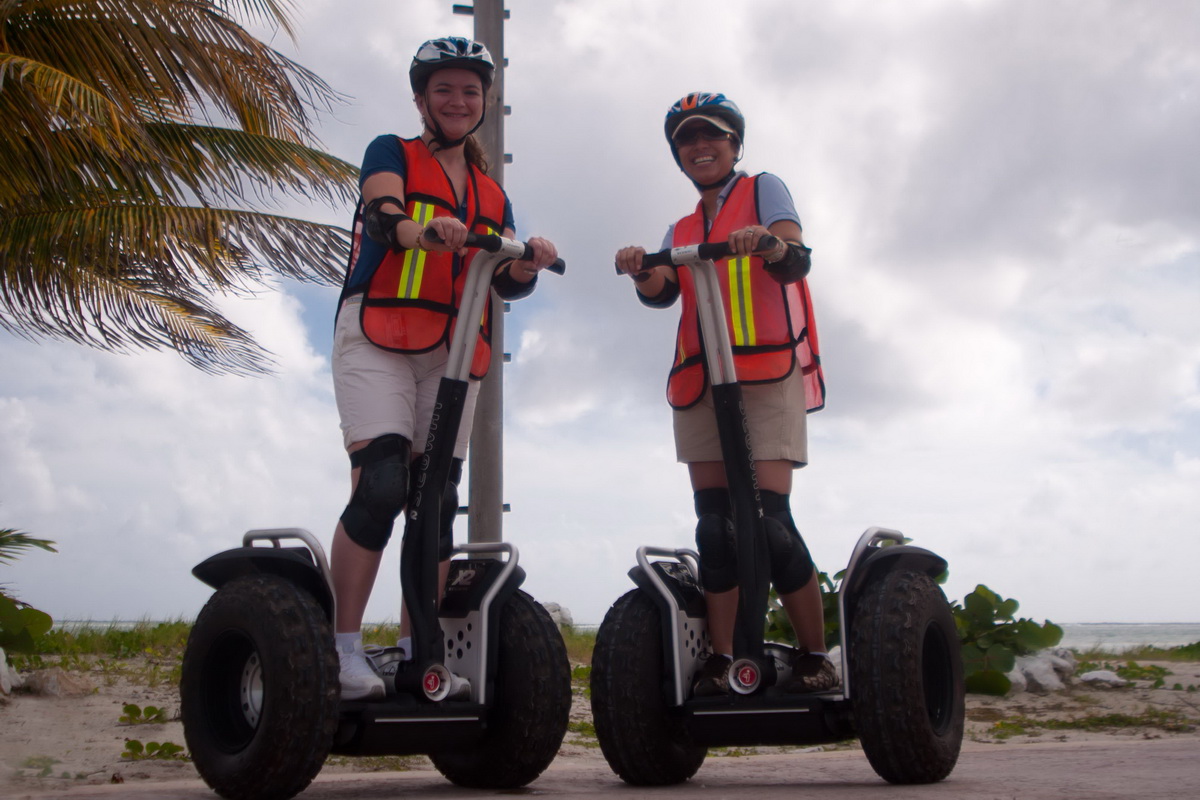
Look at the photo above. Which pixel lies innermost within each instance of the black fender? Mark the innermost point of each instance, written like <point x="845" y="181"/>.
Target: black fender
<point x="686" y="595"/>
<point x="294" y="564"/>
<point x="879" y="560"/>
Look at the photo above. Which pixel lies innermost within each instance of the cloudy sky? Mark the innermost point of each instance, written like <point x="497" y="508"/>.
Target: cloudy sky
<point x="1003" y="199"/>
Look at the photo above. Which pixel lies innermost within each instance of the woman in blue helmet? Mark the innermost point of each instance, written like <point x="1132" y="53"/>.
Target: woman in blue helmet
<point x="398" y="308"/>
<point x="777" y="362"/>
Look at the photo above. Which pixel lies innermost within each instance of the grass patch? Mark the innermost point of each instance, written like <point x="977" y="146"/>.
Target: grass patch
<point x="580" y="644"/>
<point x="383" y="634"/>
<point x="1145" y="652"/>
<point x="1157" y="719"/>
<point x="148" y="652"/>
<point x="1007" y="728"/>
<point x="377" y="763"/>
<point x="42" y="766"/>
<point x="1130" y="671"/>
<point x="143" y="638"/>
<point x="583" y="728"/>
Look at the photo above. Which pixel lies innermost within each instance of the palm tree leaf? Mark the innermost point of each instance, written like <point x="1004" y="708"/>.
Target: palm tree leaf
<point x="12" y="542"/>
<point x="122" y="220"/>
<point x="173" y="60"/>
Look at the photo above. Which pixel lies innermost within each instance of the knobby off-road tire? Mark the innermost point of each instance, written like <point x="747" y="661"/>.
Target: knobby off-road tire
<point x="259" y="691"/>
<point x="907" y="678"/>
<point x="643" y="742"/>
<point x="528" y="713"/>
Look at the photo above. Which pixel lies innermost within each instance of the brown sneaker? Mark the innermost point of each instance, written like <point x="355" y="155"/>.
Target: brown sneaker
<point x="811" y="673"/>
<point x="712" y="678"/>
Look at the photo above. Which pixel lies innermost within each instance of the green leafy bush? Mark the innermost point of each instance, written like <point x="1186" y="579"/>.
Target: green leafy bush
<point x="992" y="638"/>
<point x="992" y="635"/>
<point x="166" y="751"/>
<point x="779" y="627"/>
<point x="20" y="623"/>
<point x="136" y="715"/>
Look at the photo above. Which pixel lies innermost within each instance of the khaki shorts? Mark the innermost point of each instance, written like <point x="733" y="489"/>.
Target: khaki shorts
<point x="380" y="392"/>
<point x="776" y="416"/>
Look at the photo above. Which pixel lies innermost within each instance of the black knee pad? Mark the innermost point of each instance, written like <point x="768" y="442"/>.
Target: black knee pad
<point x="791" y="563"/>
<point x="449" y="509"/>
<point x="714" y="540"/>
<point x="380" y="493"/>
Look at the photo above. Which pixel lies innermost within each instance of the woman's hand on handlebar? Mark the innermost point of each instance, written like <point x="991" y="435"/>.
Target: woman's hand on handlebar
<point x="544" y="254"/>
<point x="743" y="241"/>
<point x="451" y="233"/>
<point x="629" y="262"/>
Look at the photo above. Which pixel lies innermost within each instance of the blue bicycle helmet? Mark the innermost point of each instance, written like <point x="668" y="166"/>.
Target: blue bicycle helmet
<point x="713" y="107"/>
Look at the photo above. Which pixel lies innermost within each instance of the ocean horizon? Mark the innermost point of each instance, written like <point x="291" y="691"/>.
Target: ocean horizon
<point x="1118" y="636"/>
<point x="1112" y="636"/>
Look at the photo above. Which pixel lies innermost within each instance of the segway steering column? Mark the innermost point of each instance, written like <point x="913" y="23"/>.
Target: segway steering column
<point x="425" y="672"/>
<point x="751" y="670"/>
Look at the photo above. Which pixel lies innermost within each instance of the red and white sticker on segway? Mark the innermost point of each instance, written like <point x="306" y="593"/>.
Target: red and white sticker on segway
<point x="747" y="675"/>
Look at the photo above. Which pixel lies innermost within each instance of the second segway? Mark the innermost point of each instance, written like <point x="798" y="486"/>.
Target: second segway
<point x="902" y="679"/>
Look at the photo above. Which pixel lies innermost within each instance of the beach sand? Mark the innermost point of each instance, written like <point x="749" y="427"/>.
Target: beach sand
<point x="70" y="734"/>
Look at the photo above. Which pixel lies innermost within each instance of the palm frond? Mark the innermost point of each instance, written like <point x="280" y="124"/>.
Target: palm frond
<point x="172" y="59"/>
<point x="124" y="212"/>
<point x="12" y="542"/>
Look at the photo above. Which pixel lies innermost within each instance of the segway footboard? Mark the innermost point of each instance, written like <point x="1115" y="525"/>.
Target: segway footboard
<point x="451" y="710"/>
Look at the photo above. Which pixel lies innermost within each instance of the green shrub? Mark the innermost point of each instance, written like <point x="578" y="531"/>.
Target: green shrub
<point x="20" y="623"/>
<point x="992" y="636"/>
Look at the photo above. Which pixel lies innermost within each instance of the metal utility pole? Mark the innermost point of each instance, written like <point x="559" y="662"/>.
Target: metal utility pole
<point x="485" y="502"/>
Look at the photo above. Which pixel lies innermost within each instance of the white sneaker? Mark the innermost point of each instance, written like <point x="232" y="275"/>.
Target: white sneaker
<point x="359" y="681"/>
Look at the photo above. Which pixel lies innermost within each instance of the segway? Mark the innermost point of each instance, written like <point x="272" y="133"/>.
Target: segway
<point x="902" y="690"/>
<point x="486" y="693"/>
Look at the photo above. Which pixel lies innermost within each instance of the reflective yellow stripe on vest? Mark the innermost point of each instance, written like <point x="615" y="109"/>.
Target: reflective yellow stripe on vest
<point x="741" y="302"/>
<point x="413" y="269"/>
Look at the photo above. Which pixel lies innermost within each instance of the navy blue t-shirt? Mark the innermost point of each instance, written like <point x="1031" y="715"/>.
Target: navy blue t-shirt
<point x="385" y="154"/>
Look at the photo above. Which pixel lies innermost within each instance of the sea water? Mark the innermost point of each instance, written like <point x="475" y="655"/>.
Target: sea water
<point x="1116" y="637"/>
<point x="1111" y="636"/>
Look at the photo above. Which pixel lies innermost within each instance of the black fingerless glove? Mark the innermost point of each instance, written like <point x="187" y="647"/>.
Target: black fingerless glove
<point x="793" y="266"/>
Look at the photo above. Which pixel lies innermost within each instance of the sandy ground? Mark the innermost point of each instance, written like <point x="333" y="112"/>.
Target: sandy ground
<point x="73" y="738"/>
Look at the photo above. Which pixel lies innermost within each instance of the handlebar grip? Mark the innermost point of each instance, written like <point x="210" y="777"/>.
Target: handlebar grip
<point x="491" y="243"/>
<point x="712" y="251"/>
<point x="706" y="251"/>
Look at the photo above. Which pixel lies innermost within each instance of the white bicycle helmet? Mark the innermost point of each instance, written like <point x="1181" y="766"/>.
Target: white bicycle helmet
<point x="451" y="52"/>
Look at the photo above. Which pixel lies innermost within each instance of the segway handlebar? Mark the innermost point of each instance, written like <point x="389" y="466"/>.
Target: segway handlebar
<point x="492" y="243"/>
<point x="705" y="251"/>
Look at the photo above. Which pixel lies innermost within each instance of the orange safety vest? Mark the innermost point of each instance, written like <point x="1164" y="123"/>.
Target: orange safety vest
<point x="412" y="299"/>
<point x="771" y="326"/>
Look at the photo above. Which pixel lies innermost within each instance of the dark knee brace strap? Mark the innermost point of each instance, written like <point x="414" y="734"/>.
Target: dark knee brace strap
<point x="713" y="501"/>
<point x="449" y="509"/>
<point x="791" y="563"/>
<point x="380" y="492"/>
<point x="714" y="540"/>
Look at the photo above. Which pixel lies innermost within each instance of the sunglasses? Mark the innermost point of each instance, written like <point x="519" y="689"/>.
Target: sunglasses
<point x="698" y="133"/>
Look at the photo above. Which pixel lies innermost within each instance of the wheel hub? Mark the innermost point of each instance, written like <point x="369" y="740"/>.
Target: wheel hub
<point x="251" y="690"/>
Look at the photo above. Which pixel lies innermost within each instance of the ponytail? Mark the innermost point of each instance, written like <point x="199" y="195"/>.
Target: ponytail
<point x="473" y="152"/>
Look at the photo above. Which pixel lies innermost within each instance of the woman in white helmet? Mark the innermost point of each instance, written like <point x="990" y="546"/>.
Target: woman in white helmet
<point x="419" y="199"/>
<point x="777" y="362"/>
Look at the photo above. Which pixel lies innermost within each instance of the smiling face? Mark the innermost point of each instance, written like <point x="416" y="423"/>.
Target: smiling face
<point x="453" y="99"/>
<point x="706" y="153"/>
